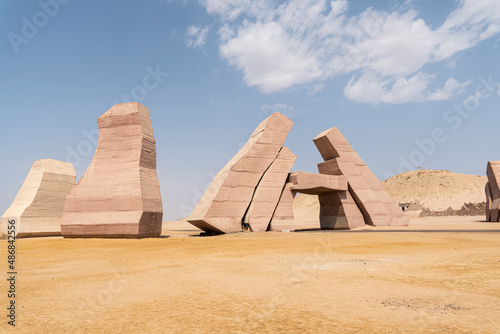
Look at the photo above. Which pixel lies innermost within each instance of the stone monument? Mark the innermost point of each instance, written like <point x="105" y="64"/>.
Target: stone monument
<point x="119" y="194"/>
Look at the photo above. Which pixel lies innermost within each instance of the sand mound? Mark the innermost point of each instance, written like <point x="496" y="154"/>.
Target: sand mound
<point x="436" y="189"/>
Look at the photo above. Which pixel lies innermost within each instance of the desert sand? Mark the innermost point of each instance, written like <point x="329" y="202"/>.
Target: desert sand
<point x="424" y="278"/>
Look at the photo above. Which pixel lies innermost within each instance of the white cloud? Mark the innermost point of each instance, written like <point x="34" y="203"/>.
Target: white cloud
<point x="196" y="36"/>
<point x="229" y="10"/>
<point x="472" y="22"/>
<point x="451" y="88"/>
<point x="371" y="88"/>
<point x="450" y="63"/>
<point x="269" y="58"/>
<point x="315" y="89"/>
<point x="402" y="45"/>
<point x="285" y="109"/>
<point x="305" y="42"/>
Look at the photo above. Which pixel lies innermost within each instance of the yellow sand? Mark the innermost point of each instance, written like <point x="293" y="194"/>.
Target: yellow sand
<point x="304" y="282"/>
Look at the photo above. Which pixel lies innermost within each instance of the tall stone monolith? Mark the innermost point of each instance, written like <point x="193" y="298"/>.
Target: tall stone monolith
<point x="119" y="194"/>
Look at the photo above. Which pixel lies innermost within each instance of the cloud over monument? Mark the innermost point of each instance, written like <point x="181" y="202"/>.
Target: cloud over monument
<point x="302" y="43"/>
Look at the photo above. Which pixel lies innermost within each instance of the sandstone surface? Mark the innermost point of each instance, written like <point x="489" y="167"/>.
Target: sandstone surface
<point x="376" y="206"/>
<point x="38" y="206"/>
<point x="119" y="194"/>
<point x="223" y="206"/>
<point x="268" y="192"/>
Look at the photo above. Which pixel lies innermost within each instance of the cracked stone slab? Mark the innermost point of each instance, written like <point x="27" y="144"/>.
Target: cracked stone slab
<point x="268" y="192"/>
<point x="227" y="199"/>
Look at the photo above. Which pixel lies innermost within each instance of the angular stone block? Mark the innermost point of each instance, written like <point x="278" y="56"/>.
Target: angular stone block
<point x="38" y="205"/>
<point x="283" y="218"/>
<point x="224" y="204"/>
<point x="493" y="173"/>
<point x="119" y="194"/>
<point x="269" y="191"/>
<point x="377" y="207"/>
<point x="338" y="211"/>
<point x="492" y="191"/>
<point x="315" y="184"/>
<point x="495" y="211"/>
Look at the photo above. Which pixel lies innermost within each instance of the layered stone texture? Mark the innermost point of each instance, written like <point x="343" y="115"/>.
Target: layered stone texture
<point x="255" y="190"/>
<point x="283" y="218"/>
<point x="374" y="203"/>
<point x="338" y="211"/>
<point x="251" y="178"/>
<point x="492" y="191"/>
<point x="119" y="194"/>
<point x="315" y="184"/>
<point x="268" y="192"/>
<point x="38" y="206"/>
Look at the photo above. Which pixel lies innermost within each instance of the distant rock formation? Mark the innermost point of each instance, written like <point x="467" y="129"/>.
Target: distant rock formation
<point x="119" y="194"/>
<point x="436" y="190"/>
<point x="38" y="206"/>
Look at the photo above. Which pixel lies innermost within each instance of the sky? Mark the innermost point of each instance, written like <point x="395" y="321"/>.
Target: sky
<point x="409" y="83"/>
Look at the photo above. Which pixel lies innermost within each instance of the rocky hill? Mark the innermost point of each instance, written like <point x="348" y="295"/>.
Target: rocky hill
<point x="436" y="189"/>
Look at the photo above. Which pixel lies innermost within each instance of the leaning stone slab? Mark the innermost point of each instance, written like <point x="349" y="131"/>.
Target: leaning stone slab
<point x="268" y="192"/>
<point x="283" y="217"/>
<point x="119" y="194"/>
<point x="224" y="204"/>
<point x="38" y="206"/>
<point x="493" y="173"/>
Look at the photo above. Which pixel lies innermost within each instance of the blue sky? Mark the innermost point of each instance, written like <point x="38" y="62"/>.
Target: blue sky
<point x="409" y="83"/>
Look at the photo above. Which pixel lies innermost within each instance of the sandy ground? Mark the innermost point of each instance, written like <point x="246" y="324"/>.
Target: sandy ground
<point x="426" y="278"/>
